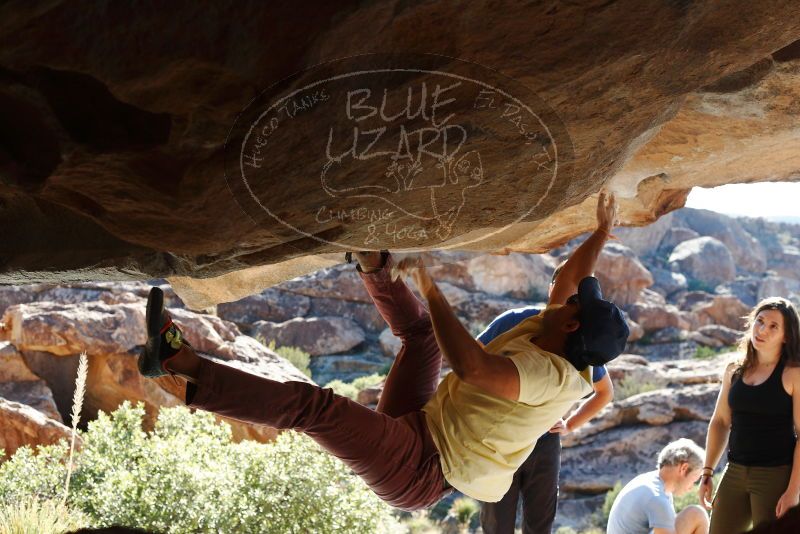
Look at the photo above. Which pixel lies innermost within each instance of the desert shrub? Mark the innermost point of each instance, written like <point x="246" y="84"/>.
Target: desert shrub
<point x="628" y="387"/>
<point x="296" y="356"/>
<point x="351" y="389"/>
<point x="698" y="285"/>
<point x="611" y="496"/>
<point x="34" y="516"/>
<point x="682" y="501"/>
<point x="345" y="389"/>
<point x="368" y="381"/>
<point x="705" y="353"/>
<point x="30" y="474"/>
<point x="420" y="523"/>
<point x="188" y="476"/>
<point x="463" y="510"/>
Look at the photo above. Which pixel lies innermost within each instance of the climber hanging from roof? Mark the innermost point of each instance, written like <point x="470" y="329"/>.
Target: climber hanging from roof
<point x="471" y="432"/>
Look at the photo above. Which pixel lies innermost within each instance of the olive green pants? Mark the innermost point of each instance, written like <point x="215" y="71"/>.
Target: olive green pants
<point x="747" y="494"/>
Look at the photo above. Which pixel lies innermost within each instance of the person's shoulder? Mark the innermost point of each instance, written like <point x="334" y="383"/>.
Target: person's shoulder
<point x="792" y="375"/>
<point x="524" y="310"/>
<point x="731" y="367"/>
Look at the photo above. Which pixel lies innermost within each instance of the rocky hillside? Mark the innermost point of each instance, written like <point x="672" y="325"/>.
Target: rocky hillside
<point x="685" y="283"/>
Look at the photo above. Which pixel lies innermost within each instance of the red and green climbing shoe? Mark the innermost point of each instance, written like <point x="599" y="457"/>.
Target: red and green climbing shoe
<point x="164" y="338"/>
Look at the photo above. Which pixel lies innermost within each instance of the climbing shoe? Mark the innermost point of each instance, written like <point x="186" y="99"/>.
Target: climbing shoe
<point x="164" y="338"/>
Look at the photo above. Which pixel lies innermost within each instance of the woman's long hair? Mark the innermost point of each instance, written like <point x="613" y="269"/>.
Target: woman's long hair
<point x="791" y="330"/>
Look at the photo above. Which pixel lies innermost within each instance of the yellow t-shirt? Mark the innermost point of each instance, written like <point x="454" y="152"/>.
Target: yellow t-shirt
<point x="483" y="439"/>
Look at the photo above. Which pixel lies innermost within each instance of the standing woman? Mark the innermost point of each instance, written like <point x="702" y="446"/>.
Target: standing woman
<point x="758" y="408"/>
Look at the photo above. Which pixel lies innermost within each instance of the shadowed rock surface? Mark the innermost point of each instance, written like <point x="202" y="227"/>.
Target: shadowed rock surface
<point x="116" y="168"/>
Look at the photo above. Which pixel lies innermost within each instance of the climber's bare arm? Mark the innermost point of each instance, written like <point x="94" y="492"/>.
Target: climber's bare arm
<point x="581" y="263"/>
<point x="466" y="356"/>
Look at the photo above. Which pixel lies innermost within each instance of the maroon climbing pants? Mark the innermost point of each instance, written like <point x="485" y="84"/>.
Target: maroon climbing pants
<point x="390" y="448"/>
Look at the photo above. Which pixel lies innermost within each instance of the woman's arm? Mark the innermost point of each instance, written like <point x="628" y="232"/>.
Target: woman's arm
<point x="719" y="430"/>
<point x="791" y="496"/>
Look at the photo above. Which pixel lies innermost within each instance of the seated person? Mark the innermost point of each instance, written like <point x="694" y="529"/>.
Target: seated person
<point x="645" y="503"/>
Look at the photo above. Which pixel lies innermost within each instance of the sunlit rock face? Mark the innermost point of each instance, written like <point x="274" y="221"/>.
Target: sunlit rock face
<point x="114" y="162"/>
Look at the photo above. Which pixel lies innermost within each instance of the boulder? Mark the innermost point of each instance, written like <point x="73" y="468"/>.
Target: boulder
<point x="657" y="317"/>
<point x="706" y="341"/>
<point x="773" y="285"/>
<point x="19" y="384"/>
<point x="521" y="276"/>
<point x="622" y="276"/>
<point x="656" y="408"/>
<point x="365" y="315"/>
<point x="670" y="334"/>
<point x="694" y="371"/>
<point x="645" y="240"/>
<point x="49" y="336"/>
<point x="787" y="262"/>
<point x="390" y="343"/>
<point x="705" y="259"/>
<point x="270" y="305"/>
<point x="634" y="369"/>
<point x="34" y="393"/>
<point x="370" y="396"/>
<point x="638" y="369"/>
<point x="747" y="253"/>
<point x="22" y="425"/>
<point x="348" y="367"/>
<point x="667" y="283"/>
<point x="619" y="454"/>
<point x="727" y="336"/>
<point x="450" y="267"/>
<point x="338" y="282"/>
<point x="315" y="335"/>
<point x="688" y="300"/>
<point x="744" y="288"/>
<point x="676" y="350"/>
<point x="480" y="309"/>
<point x="675" y="236"/>
<point x="65" y="329"/>
<point x="725" y="310"/>
<point x="636" y="330"/>
<point x="454" y="294"/>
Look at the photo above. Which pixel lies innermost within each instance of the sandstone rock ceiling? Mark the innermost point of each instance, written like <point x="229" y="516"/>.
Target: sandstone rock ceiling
<point x="114" y="120"/>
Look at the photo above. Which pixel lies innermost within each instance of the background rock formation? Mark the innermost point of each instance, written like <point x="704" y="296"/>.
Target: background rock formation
<point x="112" y="164"/>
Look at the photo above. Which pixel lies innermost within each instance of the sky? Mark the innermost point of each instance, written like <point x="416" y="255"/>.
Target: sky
<point x="766" y="199"/>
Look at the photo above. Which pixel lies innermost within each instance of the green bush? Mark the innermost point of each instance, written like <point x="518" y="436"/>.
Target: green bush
<point x="628" y="387"/>
<point x="351" y="389"/>
<point x="705" y="353"/>
<point x="33" y="516"/>
<point x="464" y="509"/>
<point x="611" y="496"/>
<point x="296" y="356"/>
<point x="188" y="476"/>
<point x="697" y="285"/>
<point x="691" y="497"/>
<point x="368" y="381"/>
<point x="344" y="389"/>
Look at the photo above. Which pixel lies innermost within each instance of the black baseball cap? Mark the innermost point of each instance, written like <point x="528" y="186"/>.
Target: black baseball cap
<point x="602" y="333"/>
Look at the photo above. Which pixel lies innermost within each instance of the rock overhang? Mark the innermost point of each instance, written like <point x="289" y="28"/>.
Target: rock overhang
<point x="116" y="165"/>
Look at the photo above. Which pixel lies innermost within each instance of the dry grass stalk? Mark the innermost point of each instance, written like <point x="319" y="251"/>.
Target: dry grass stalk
<point x="77" y="405"/>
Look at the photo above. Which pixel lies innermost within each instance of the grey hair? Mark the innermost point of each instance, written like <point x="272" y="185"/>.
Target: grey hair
<point x="682" y="451"/>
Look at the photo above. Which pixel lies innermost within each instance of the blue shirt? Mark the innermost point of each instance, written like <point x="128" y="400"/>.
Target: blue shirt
<point x="508" y="320"/>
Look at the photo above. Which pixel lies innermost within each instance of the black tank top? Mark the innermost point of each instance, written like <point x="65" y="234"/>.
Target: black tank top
<point x="762" y="428"/>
